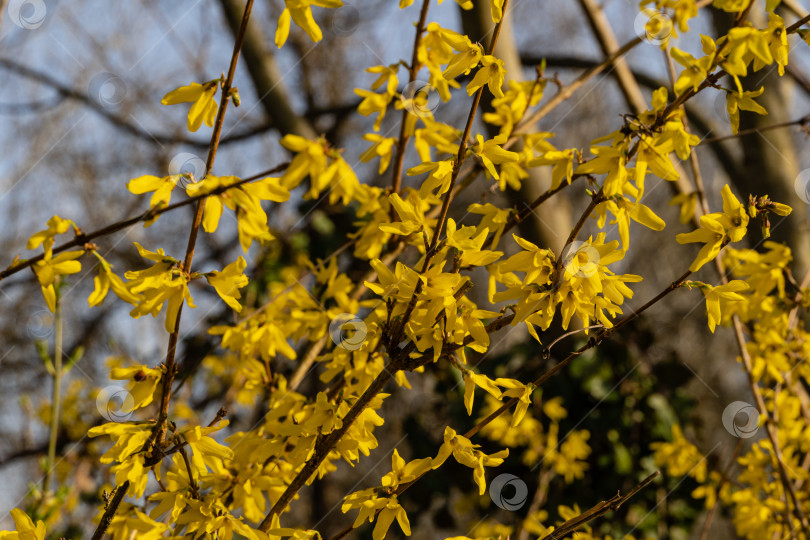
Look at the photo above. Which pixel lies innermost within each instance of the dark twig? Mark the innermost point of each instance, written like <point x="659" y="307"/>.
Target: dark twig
<point x="598" y="510"/>
<point x="413" y="69"/>
<point x="803" y="122"/>
<point x="83" y="238"/>
<point x="109" y="512"/>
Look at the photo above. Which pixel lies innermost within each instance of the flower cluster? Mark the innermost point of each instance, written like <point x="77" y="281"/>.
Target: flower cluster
<point x="424" y="291"/>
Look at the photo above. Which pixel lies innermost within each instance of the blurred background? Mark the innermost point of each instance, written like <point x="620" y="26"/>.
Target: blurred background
<point x="80" y="90"/>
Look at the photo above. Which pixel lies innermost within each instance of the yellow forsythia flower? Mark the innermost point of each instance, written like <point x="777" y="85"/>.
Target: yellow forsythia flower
<point x="717" y="229"/>
<point x="467" y="453"/>
<point x="491" y="73"/>
<point x="301" y="13"/>
<point x="160" y="283"/>
<point x="145" y="381"/>
<point x="745" y="101"/>
<point x="26" y="530"/>
<point x="106" y="280"/>
<point x="162" y="188"/>
<point x="45" y="238"/>
<point x="204" y="106"/>
<point x="50" y="268"/>
<point x="228" y="282"/>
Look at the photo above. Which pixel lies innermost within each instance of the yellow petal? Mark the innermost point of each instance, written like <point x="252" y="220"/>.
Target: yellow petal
<point x="283" y="29"/>
<point x="184" y="94"/>
<point x="213" y="211"/>
<point x="303" y="18"/>
<point x="144" y="184"/>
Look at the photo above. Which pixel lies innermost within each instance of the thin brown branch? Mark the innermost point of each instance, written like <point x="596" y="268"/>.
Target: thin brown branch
<point x="323" y="446"/>
<point x="170" y="368"/>
<point x="83" y="238"/>
<point x="569" y="90"/>
<point x="598" y="510"/>
<point x="152" y="460"/>
<point x="680" y="187"/>
<point x="793" y="318"/>
<point x="803" y="122"/>
<point x="547" y="348"/>
<point x="109" y="512"/>
<point x="305" y="365"/>
<point x="413" y="69"/>
<point x="595" y="201"/>
<point x="538" y="500"/>
<point x="607" y="42"/>
<point x="192" y="484"/>
<point x="527" y="211"/>
<point x="396" y="334"/>
<point x="798" y="24"/>
<point x="119" y="122"/>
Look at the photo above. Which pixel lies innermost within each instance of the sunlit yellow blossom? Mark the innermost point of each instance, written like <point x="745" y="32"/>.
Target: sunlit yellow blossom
<point x="439" y="179"/>
<point x="381" y="147"/>
<point x="734" y="217"/>
<point x="608" y="160"/>
<point x="717" y="298"/>
<point x="163" y="282"/>
<point x="301" y="13"/>
<point x="228" y="282"/>
<point x="711" y="234"/>
<point x="50" y="268"/>
<point x="204" y="108"/>
<point x="491" y="73"/>
<point x="45" y="238"/>
<point x="411" y="214"/>
<point x="695" y="72"/>
<point x="144" y="381"/>
<point x="742" y="102"/>
<point x="369" y="504"/>
<point x="246" y="202"/>
<point x="373" y="103"/>
<point x="467" y="57"/>
<point x="106" y="280"/>
<point x="496" y="9"/>
<point x="162" y="188"/>
<point x="467" y="454"/>
<point x="777" y="43"/>
<point x="204" y="448"/>
<point x="494" y="219"/>
<point x="491" y="153"/>
<point x="718" y="229"/>
<point x="26" y="530"/>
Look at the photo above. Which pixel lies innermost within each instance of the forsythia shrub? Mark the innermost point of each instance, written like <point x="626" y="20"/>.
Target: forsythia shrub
<point x="175" y="476"/>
